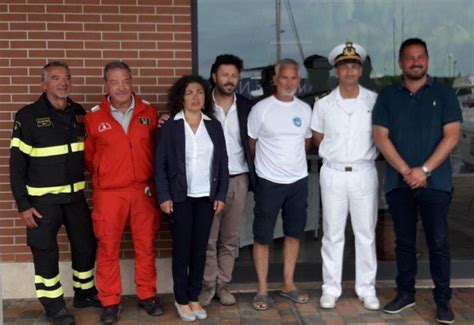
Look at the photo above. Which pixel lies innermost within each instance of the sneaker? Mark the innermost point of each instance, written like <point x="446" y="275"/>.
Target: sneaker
<point x="152" y="306"/>
<point x="225" y="296"/>
<point x="110" y="314"/>
<point x="444" y="313"/>
<point x="399" y="303"/>
<point x="370" y="302"/>
<point x="86" y="302"/>
<point x="206" y="295"/>
<point x="61" y="317"/>
<point x="327" y="301"/>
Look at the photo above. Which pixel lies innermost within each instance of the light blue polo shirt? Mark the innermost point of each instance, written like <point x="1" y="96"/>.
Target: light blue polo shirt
<point x="123" y="118"/>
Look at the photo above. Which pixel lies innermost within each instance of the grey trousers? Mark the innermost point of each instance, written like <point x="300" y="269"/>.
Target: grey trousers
<point x="224" y="238"/>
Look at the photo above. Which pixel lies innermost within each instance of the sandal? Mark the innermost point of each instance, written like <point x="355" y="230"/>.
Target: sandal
<point x="296" y="296"/>
<point x="262" y="302"/>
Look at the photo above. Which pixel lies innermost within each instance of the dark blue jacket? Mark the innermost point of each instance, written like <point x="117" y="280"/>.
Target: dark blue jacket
<point x="170" y="162"/>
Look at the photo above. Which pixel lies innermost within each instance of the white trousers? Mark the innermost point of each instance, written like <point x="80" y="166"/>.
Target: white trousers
<point x="355" y="193"/>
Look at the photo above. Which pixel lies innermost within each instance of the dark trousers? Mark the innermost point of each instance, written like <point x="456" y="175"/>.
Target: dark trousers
<point x="432" y="206"/>
<point x="44" y="246"/>
<point x="190" y="225"/>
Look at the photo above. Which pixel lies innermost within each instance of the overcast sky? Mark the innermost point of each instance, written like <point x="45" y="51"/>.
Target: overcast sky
<point x="247" y="28"/>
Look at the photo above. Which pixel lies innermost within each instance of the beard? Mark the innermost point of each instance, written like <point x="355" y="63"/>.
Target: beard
<point x="225" y="90"/>
<point x="411" y="74"/>
<point x="289" y="93"/>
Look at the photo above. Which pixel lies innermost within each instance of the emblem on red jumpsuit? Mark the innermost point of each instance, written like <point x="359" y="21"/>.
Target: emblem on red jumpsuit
<point x="104" y="126"/>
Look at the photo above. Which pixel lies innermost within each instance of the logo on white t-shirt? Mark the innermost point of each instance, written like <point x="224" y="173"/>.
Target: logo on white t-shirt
<point x="297" y="121"/>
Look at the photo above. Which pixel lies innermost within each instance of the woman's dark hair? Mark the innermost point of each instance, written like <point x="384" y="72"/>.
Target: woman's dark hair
<point x="177" y="91"/>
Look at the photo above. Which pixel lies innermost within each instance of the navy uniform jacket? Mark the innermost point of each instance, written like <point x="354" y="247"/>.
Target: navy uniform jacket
<point x="170" y="162"/>
<point x="46" y="160"/>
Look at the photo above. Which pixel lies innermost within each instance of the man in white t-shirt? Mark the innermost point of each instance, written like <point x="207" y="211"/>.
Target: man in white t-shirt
<point x="279" y="135"/>
<point x="342" y="129"/>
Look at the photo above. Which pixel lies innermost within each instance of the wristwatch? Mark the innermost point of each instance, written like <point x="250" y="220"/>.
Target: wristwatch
<point x="426" y="170"/>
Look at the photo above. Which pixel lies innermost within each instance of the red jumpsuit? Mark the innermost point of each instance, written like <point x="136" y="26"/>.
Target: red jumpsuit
<point x="121" y="165"/>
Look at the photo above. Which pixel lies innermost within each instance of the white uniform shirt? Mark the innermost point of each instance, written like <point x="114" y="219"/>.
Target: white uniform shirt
<point x="347" y="127"/>
<point x="199" y="153"/>
<point x="233" y="141"/>
<point x="280" y="129"/>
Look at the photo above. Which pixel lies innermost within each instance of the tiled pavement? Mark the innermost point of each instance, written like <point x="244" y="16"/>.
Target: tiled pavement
<point x="348" y="311"/>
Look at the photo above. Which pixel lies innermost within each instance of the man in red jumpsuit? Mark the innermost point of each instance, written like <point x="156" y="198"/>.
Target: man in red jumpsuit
<point x="119" y="154"/>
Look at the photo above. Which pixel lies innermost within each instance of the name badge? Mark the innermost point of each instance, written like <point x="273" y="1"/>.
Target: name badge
<point x="43" y="122"/>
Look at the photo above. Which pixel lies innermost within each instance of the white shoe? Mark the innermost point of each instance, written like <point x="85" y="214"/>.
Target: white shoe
<point x="187" y="317"/>
<point x="370" y="302"/>
<point x="200" y="314"/>
<point x="327" y="301"/>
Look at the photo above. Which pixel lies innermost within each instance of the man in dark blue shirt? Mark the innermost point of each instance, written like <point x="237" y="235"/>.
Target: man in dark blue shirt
<point x="416" y="126"/>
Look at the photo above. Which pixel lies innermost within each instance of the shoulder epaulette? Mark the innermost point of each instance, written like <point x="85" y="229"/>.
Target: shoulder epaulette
<point x="146" y="102"/>
<point x="95" y="108"/>
<point x="318" y="97"/>
<point x="324" y="94"/>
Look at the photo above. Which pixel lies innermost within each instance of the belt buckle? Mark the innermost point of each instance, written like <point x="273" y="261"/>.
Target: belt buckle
<point x="348" y="168"/>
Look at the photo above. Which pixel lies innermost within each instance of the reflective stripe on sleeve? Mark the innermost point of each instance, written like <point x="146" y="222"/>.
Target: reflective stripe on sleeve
<point x="46" y="151"/>
<point x="23" y="147"/>
<point x="39" y="191"/>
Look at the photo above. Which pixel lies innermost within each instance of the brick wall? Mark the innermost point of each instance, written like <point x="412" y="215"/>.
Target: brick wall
<point x="153" y="36"/>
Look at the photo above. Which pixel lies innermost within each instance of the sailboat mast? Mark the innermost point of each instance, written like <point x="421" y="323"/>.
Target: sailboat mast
<point x="278" y="29"/>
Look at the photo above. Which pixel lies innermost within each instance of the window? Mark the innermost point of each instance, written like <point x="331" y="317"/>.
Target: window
<point x="261" y="32"/>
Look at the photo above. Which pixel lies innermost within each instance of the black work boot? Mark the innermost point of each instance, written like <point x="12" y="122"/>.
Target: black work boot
<point x="110" y="314"/>
<point x="61" y="317"/>
<point x="152" y="306"/>
<point x="80" y="302"/>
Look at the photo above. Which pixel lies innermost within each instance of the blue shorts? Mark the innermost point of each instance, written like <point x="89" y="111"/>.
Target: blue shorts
<point x="269" y="199"/>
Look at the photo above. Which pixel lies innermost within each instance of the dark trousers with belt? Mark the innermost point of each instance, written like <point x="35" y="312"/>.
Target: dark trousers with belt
<point x="432" y="206"/>
<point x="44" y="246"/>
<point x="190" y="225"/>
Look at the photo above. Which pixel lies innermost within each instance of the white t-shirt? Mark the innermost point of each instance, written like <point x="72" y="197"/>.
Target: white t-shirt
<point x="199" y="152"/>
<point x="347" y="127"/>
<point x="233" y="141"/>
<point x="280" y="129"/>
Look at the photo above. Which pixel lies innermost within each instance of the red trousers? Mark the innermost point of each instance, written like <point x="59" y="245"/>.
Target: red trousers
<point x="111" y="211"/>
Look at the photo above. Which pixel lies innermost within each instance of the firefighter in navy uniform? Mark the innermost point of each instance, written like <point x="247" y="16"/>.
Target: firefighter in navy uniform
<point x="47" y="181"/>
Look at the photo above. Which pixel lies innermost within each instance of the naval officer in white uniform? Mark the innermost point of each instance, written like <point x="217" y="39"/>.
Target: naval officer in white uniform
<point x="341" y="124"/>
